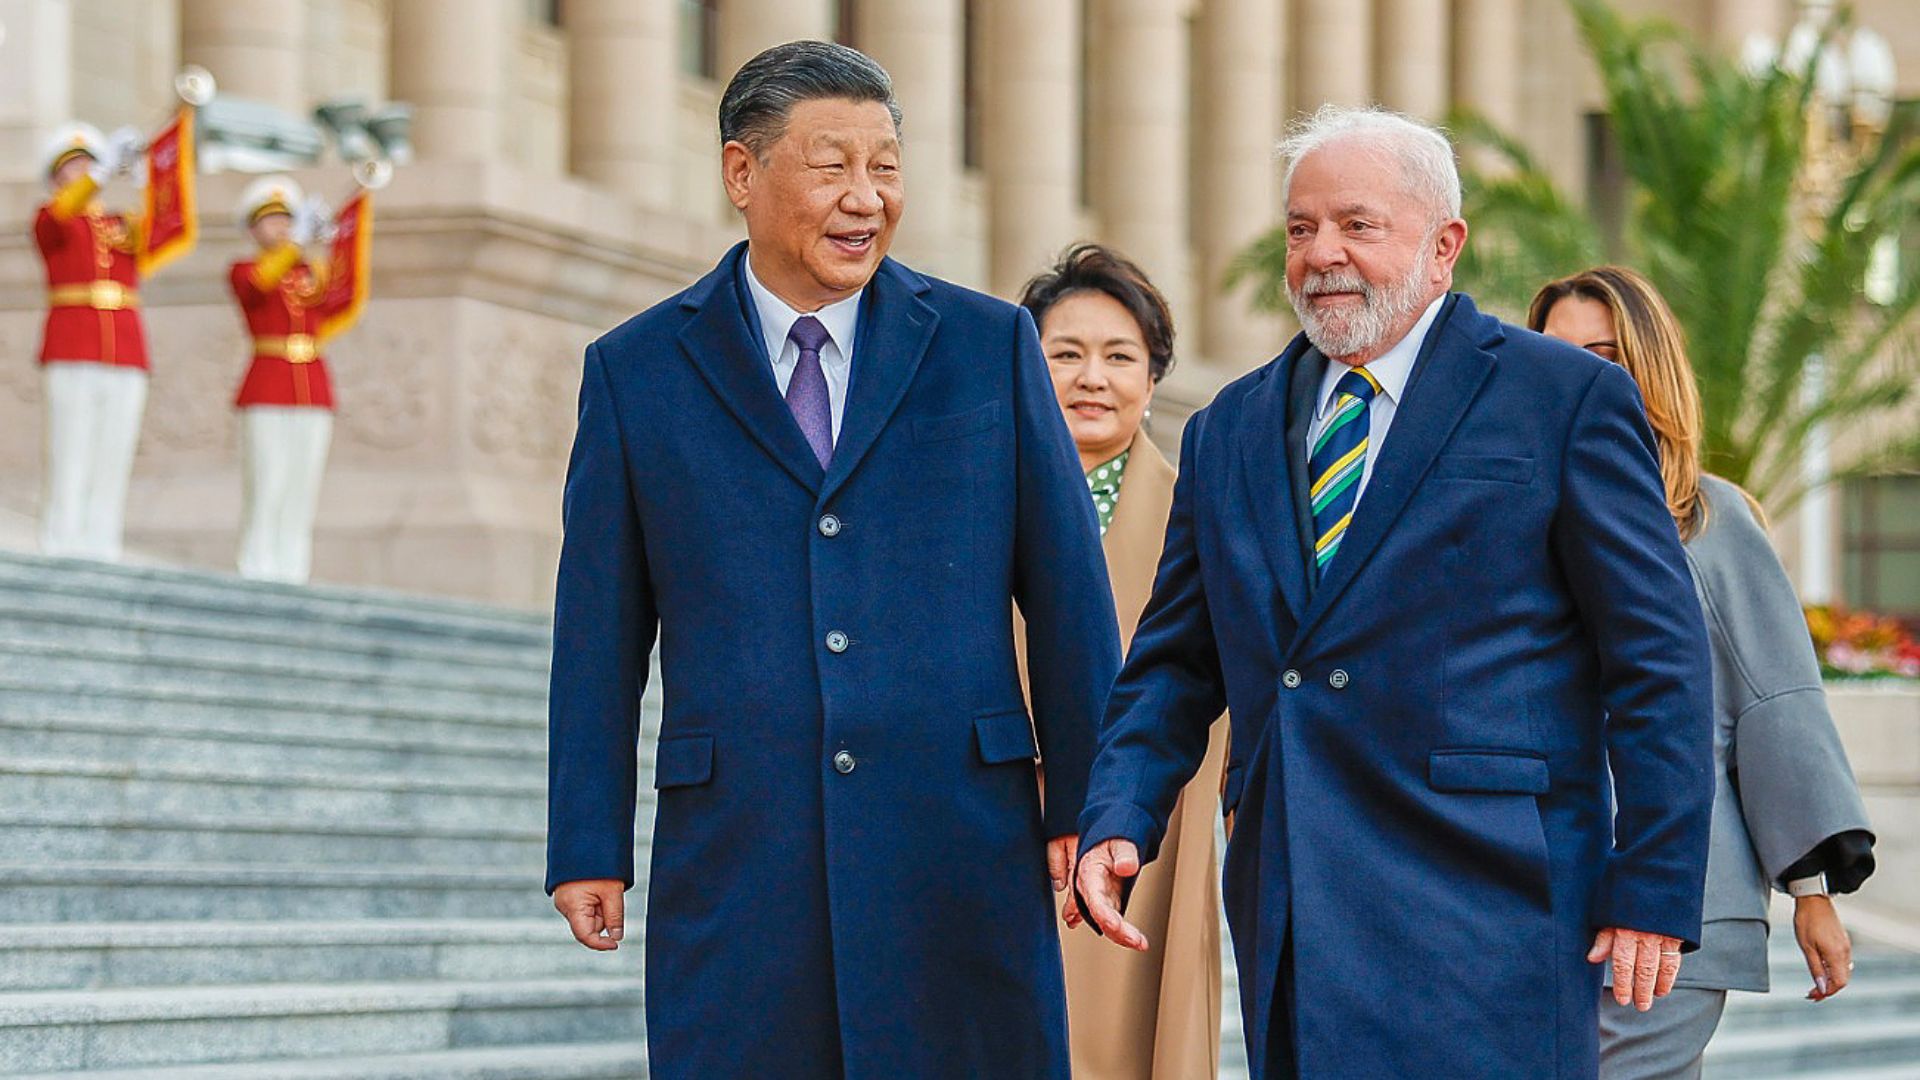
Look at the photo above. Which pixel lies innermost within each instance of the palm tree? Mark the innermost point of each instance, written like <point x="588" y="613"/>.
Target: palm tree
<point x="1766" y="272"/>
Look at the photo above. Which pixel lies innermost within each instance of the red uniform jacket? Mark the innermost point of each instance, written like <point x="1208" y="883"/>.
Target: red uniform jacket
<point x="93" y="309"/>
<point x="287" y="366"/>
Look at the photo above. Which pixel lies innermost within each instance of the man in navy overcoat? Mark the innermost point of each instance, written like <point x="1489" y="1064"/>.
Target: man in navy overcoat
<point x="1426" y="558"/>
<point x="825" y="481"/>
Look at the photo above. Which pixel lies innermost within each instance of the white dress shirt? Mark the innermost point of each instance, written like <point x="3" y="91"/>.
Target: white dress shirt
<point x="1391" y="371"/>
<point x="836" y="356"/>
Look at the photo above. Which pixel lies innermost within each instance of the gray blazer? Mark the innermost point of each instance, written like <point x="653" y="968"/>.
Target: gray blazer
<point x="1783" y="785"/>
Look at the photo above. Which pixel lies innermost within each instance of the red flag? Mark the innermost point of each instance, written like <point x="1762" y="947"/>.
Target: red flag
<point x="350" y="266"/>
<point x="170" y="219"/>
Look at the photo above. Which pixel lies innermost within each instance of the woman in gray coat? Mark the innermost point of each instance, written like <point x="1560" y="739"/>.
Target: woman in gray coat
<point x="1787" y="814"/>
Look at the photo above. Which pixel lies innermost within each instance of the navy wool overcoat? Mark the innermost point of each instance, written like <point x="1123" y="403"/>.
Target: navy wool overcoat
<point x="1423" y="846"/>
<point x="848" y="870"/>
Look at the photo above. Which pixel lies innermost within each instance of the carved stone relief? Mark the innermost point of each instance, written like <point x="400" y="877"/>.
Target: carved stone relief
<point x="525" y="381"/>
<point x="382" y="370"/>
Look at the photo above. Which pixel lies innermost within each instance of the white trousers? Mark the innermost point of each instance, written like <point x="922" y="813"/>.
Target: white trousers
<point x="93" y="426"/>
<point x="285" y="448"/>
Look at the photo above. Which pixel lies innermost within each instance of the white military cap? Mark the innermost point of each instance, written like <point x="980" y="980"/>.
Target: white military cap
<point x="67" y="141"/>
<point x="267" y="195"/>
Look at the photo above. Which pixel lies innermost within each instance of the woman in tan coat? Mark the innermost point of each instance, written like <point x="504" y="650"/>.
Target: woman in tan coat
<point x="1108" y="338"/>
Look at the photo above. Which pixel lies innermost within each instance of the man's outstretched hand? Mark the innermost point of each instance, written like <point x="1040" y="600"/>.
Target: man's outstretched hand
<point x="596" y="912"/>
<point x="1098" y="878"/>
<point x="1644" y="964"/>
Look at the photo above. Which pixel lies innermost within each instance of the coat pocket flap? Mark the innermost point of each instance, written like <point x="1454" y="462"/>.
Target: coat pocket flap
<point x="941" y="428"/>
<point x="1005" y="736"/>
<point x="683" y="761"/>
<point x="1492" y="772"/>
<point x="1498" y="468"/>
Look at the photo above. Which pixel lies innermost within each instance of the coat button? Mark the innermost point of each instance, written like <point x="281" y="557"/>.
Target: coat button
<point x="1338" y="679"/>
<point x="1290" y="680"/>
<point x="829" y="526"/>
<point x="843" y="763"/>
<point x="836" y="642"/>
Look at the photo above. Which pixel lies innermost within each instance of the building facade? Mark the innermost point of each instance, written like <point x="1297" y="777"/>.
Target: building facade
<point x="565" y="176"/>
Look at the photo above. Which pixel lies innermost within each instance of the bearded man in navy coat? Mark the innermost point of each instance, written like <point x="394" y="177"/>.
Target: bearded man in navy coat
<point x="1426" y="558"/>
<point x="825" y="481"/>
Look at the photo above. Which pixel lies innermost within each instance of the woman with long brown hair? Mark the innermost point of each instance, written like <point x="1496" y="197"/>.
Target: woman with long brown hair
<point x="1787" y="813"/>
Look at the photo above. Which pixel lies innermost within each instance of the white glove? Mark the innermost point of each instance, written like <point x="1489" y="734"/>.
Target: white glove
<point x="310" y="221"/>
<point x="125" y="147"/>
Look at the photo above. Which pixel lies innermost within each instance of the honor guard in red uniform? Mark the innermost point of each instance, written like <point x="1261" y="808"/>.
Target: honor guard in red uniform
<point x="286" y="399"/>
<point x="94" y="351"/>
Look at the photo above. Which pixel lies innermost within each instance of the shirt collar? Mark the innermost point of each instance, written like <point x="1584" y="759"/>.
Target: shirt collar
<point x="777" y="318"/>
<point x="1392" y="369"/>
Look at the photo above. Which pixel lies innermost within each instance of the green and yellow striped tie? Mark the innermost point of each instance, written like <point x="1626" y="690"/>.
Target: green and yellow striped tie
<point x="1338" y="461"/>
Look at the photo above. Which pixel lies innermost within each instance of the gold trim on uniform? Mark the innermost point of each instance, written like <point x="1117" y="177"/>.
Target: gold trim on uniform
<point x="293" y="348"/>
<point x="99" y="295"/>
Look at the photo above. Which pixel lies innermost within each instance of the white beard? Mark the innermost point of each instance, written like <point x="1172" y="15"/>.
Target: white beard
<point x="1352" y="333"/>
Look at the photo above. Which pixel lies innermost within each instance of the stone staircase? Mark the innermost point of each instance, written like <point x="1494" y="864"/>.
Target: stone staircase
<point x="252" y="831"/>
<point x="1869" y="1031"/>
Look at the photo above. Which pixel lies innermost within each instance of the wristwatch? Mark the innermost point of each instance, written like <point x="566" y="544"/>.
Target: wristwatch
<point x="1815" y="885"/>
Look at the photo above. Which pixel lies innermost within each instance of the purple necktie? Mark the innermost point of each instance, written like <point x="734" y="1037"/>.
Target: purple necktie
<point x="807" y="390"/>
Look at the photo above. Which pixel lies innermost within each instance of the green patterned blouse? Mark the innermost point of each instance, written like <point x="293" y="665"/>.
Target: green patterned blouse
<point x="1104" y="483"/>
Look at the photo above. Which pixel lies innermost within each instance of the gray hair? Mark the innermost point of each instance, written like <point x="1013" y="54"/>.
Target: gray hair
<point x="1424" y="152"/>
<point x="759" y="100"/>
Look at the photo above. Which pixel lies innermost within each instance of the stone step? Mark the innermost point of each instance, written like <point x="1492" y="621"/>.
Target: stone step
<point x="137" y="892"/>
<point x="1902" y="1071"/>
<point x="58" y="668"/>
<point x="297" y="604"/>
<point x="553" y="1061"/>
<point x="1866" y="997"/>
<point x="30" y="696"/>
<point x="440" y="750"/>
<point x="142" y="788"/>
<point x="57" y="834"/>
<point x="202" y="711"/>
<point x="48" y="613"/>
<point x="120" y="1029"/>
<point x="1789" y="1050"/>
<point x="1787" y="967"/>
<point x="76" y="956"/>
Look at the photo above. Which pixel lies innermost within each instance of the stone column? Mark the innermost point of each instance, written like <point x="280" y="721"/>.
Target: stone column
<point x="1031" y="124"/>
<point x="623" y="95"/>
<point x="36" y="84"/>
<point x="1238" y="109"/>
<point x="1487" y="58"/>
<point x="451" y="59"/>
<point x="256" y="50"/>
<point x="1141" y="161"/>
<point x="922" y="45"/>
<point x="1411" y="54"/>
<point x="747" y="27"/>
<point x="1332" y="53"/>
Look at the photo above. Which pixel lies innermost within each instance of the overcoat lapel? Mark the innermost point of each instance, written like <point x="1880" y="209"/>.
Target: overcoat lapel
<point x="1138" y="531"/>
<point x="1267" y="486"/>
<point x="1448" y="374"/>
<point x="725" y="349"/>
<point x="896" y="327"/>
